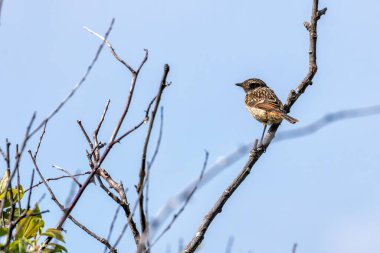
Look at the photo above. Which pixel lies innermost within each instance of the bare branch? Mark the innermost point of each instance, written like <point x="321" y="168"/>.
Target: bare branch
<point x="123" y="202"/>
<point x="225" y="161"/>
<point x="140" y="186"/>
<point x="54" y="198"/>
<point x="77" y="86"/>
<point x="255" y="154"/>
<point x="24" y="143"/>
<point x="129" y="99"/>
<point x="101" y="159"/>
<point x="15" y="169"/>
<point x="144" y="120"/>
<point x="96" y="132"/>
<point x="85" y="135"/>
<point x="111" y="48"/>
<point x="69" y="174"/>
<point x="128" y="221"/>
<point x="57" y="178"/>
<point x="30" y="193"/>
<point x="150" y="164"/>
<point x="40" y="141"/>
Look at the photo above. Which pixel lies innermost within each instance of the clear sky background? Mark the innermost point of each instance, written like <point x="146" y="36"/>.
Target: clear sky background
<point x="321" y="191"/>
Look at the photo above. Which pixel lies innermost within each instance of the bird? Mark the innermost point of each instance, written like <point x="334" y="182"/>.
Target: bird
<point x="263" y="104"/>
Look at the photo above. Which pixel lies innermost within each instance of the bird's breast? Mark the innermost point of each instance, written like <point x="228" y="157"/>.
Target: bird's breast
<point x="264" y="116"/>
<point x="259" y="114"/>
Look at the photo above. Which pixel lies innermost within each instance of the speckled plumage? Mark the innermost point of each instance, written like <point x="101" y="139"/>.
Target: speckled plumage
<point x="263" y="104"/>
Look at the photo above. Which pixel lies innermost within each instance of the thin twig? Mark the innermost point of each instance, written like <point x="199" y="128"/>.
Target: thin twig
<point x="54" y="198"/>
<point x="143" y="121"/>
<point x="111" y="48"/>
<point x="150" y="164"/>
<point x="24" y="142"/>
<point x="96" y="132"/>
<point x="69" y="174"/>
<point x="159" y="138"/>
<point x="122" y="201"/>
<point x="58" y="178"/>
<point x="17" y="163"/>
<point x="134" y="209"/>
<point x="8" y="188"/>
<point x="133" y="80"/>
<point x="140" y="186"/>
<point x="30" y="193"/>
<point x="40" y="141"/>
<point x="112" y="226"/>
<point x="85" y="135"/>
<point x="99" y="162"/>
<point x="77" y="86"/>
<point x="129" y="99"/>
<point x="18" y="185"/>
<point x="255" y="154"/>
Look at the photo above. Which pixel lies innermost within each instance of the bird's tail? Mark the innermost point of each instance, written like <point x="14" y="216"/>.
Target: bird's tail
<point x="289" y="119"/>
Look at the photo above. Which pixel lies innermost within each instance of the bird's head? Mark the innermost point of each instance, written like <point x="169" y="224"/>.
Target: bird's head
<point x="251" y="84"/>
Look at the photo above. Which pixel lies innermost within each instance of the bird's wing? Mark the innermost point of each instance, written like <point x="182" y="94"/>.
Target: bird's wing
<point x="265" y="98"/>
<point x="269" y="106"/>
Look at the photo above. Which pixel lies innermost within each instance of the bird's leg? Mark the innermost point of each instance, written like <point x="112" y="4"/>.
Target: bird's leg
<point x="262" y="136"/>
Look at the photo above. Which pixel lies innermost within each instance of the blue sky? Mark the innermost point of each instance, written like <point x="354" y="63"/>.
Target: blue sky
<point x="320" y="191"/>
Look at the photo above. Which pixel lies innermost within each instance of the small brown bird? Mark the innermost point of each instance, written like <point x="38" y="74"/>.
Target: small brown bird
<point x="263" y="104"/>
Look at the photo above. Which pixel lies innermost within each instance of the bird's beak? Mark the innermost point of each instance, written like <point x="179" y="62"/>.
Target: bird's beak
<point x="239" y="84"/>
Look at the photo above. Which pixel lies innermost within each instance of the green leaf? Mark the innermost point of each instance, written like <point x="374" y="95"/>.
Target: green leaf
<point x="19" y="246"/>
<point x="3" y="183"/>
<point x="54" y="233"/>
<point x="3" y="231"/>
<point x="15" y="194"/>
<point x="28" y="227"/>
<point x="54" y="247"/>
